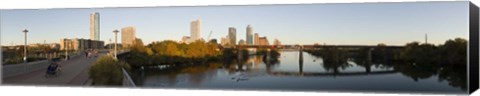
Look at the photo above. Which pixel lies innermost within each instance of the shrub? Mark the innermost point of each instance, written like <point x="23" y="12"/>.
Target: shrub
<point x="107" y="71"/>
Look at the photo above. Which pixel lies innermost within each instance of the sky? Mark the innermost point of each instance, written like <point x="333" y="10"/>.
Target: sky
<point x="332" y="24"/>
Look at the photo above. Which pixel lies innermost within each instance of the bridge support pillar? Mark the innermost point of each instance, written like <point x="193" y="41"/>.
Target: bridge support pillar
<point x="369" y="55"/>
<point x="300" y="54"/>
<point x="300" y="60"/>
<point x="268" y="55"/>
<point x="239" y="54"/>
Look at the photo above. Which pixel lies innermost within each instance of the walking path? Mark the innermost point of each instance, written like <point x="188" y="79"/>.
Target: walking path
<point x="74" y="72"/>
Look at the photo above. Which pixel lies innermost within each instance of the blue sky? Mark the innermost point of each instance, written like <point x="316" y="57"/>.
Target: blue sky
<point x="355" y="23"/>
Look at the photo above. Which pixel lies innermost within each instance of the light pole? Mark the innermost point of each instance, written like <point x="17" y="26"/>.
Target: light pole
<point x="25" y="49"/>
<point x="110" y="41"/>
<point x="66" y="51"/>
<point x="115" y="50"/>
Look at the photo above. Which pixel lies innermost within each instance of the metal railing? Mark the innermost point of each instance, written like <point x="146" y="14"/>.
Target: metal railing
<point x="127" y="80"/>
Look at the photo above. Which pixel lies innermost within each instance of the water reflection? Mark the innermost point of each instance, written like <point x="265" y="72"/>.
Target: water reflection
<point x="304" y="69"/>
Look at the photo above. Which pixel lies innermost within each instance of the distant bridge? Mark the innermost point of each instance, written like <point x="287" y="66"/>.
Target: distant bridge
<point x="317" y="46"/>
<point x="316" y="74"/>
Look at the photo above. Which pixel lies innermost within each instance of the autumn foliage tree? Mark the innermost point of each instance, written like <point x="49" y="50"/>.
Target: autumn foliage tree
<point x="171" y="52"/>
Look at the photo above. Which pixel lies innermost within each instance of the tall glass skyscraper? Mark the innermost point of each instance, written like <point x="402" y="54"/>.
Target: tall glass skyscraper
<point x="195" y="30"/>
<point x="249" y="35"/>
<point x="95" y="26"/>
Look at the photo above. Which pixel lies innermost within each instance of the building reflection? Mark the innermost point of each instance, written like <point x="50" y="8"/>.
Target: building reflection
<point x="255" y="66"/>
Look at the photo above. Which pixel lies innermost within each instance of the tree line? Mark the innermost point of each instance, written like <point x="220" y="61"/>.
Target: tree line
<point x="170" y="52"/>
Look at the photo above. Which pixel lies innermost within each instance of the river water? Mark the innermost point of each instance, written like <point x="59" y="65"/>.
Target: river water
<point x="291" y="72"/>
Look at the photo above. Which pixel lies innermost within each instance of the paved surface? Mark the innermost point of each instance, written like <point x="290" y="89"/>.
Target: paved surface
<point x="74" y="73"/>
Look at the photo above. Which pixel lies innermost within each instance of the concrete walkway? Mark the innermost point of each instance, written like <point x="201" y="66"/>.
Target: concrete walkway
<point x="74" y="73"/>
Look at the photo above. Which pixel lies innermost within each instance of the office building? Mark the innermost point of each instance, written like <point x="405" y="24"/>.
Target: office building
<point x="80" y="44"/>
<point x="128" y="36"/>
<point x="195" y="30"/>
<point x="263" y="41"/>
<point x="256" y="39"/>
<point x="242" y="42"/>
<point x="95" y="26"/>
<point x="249" y="35"/>
<point x="232" y="35"/>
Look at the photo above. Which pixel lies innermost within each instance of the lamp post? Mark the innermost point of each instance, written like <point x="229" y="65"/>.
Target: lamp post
<point x="66" y="51"/>
<point x="110" y="41"/>
<point x="25" y="49"/>
<point x="115" y="50"/>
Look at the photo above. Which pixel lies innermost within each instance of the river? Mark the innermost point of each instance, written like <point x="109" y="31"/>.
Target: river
<point x="290" y="73"/>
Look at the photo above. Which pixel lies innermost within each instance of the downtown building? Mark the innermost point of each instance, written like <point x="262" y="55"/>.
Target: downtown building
<point x="128" y="36"/>
<point x="84" y="44"/>
<point x="195" y="30"/>
<point x="256" y="39"/>
<point x="80" y="44"/>
<point x="263" y="41"/>
<point x="225" y="41"/>
<point x="249" y="38"/>
<point x="95" y="26"/>
<point x="242" y="42"/>
<point x="232" y="35"/>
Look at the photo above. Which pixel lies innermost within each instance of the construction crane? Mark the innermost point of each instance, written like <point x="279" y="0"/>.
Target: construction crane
<point x="210" y="34"/>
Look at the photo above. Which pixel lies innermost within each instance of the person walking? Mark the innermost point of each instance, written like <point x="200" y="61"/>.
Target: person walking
<point x="86" y="53"/>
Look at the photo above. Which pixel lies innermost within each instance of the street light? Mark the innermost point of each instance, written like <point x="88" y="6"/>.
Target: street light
<point x="110" y="42"/>
<point x="115" y="50"/>
<point x="66" y="51"/>
<point x="25" y="49"/>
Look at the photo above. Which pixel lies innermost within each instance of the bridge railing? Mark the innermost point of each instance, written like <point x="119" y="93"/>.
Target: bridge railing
<point x="127" y="80"/>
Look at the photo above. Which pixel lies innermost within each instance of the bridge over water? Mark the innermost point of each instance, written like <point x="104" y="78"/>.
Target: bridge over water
<point x="318" y="46"/>
<point x="313" y="74"/>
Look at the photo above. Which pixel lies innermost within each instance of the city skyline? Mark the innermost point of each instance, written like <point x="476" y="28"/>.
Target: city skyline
<point x="335" y="24"/>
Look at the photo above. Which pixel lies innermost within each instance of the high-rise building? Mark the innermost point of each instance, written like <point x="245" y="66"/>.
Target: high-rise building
<point x="128" y="36"/>
<point x="195" y="29"/>
<point x="232" y="35"/>
<point x="263" y="41"/>
<point x="249" y="35"/>
<point x="256" y="40"/>
<point x="95" y="26"/>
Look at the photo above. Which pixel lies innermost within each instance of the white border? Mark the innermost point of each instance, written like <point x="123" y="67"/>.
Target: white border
<point x="77" y="91"/>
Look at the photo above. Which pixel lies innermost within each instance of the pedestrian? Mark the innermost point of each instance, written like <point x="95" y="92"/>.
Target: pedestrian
<point x="86" y="54"/>
<point x="89" y="53"/>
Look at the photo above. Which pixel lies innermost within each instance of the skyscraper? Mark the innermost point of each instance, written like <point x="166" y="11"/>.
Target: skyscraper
<point x="195" y="30"/>
<point x="249" y="35"/>
<point x="256" y="39"/>
<point x="128" y="36"/>
<point x="232" y="35"/>
<point x="95" y="26"/>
